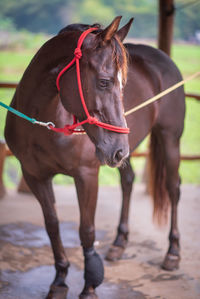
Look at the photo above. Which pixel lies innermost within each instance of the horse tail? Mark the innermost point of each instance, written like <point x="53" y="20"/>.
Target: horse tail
<point x="157" y="179"/>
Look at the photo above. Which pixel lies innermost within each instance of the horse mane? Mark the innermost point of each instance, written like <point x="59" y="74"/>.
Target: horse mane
<point x="80" y="27"/>
<point x="119" y="51"/>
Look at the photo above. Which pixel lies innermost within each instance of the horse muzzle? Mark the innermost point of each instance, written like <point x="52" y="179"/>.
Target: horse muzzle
<point x="112" y="156"/>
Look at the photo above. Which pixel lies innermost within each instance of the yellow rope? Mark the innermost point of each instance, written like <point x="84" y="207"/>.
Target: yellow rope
<point x="163" y="93"/>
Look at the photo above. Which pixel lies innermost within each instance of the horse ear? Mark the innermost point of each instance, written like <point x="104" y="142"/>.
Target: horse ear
<point x="122" y="33"/>
<point x="109" y="31"/>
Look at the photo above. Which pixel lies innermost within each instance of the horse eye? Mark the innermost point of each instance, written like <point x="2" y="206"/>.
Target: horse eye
<point x="104" y="83"/>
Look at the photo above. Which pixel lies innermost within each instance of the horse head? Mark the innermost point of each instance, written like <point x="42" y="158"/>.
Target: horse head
<point x="103" y="68"/>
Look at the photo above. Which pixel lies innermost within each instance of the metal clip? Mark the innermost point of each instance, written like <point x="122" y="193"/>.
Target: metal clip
<point x="50" y="124"/>
<point x="43" y="124"/>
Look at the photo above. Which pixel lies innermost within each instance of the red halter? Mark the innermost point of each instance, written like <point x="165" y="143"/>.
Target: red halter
<point x="70" y="129"/>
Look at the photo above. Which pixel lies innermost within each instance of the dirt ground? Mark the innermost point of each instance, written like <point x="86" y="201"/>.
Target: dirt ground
<point x="26" y="263"/>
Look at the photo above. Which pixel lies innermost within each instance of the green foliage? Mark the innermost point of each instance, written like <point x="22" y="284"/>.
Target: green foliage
<point x="21" y="40"/>
<point x="6" y="24"/>
<point x="33" y="15"/>
<point x="187" y="19"/>
<point x="100" y="12"/>
<point x="50" y="16"/>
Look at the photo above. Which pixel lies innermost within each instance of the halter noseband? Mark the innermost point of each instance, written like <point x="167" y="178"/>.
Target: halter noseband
<point x="70" y="129"/>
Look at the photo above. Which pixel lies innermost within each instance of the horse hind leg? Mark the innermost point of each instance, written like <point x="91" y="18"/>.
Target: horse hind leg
<point x="127" y="176"/>
<point x="172" y="158"/>
<point x="43" y="191"/>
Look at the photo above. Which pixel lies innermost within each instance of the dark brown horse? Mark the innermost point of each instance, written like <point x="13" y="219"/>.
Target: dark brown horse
<point x="44" y="153"/>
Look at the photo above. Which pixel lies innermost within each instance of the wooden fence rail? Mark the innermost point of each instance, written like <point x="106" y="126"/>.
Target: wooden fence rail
<point x="183" y="157"/>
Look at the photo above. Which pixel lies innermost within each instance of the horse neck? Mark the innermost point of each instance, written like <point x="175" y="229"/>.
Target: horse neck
<point x="37" y="89"/>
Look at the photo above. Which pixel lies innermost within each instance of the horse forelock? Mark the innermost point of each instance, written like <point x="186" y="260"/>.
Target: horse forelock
<point x="120" y="57"/>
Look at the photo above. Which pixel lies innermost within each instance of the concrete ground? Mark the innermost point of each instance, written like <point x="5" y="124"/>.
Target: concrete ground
<point x="26" y="263"/>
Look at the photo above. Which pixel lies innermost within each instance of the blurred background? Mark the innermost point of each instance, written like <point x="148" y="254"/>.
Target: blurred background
<point x="26" y="24"/>
<point x="43" y="16"/>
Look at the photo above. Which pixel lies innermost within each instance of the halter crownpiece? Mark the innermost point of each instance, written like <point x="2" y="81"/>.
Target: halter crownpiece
<point x="70" y="129"/>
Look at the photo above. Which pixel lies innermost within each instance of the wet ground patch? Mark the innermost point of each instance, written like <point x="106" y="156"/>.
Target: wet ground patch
<point x="27" y="263"/>
<point x="35" y="284"/>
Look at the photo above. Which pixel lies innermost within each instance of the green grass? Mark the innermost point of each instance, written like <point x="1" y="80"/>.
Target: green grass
<point x="187" y="57"/>
<point x="12" y="64"/>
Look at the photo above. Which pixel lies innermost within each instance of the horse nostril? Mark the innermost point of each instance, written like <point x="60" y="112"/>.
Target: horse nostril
<point x="119" y="155"/>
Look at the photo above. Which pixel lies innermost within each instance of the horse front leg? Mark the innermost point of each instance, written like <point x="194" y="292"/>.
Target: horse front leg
<point x="127" y="177"/>
<point x="43" y="191"/>
<point x="87" y="187"/>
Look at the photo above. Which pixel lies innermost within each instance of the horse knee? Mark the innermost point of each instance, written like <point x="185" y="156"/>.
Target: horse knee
<point x="130" y="177"/>
<point x="52" y="224"/>
<point x="127" y="178"/>
<point x="94" y="270"/>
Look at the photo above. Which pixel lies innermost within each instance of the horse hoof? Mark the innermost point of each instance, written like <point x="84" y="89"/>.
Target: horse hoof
<point x="114" y="253"/>
<point x="57" y="292"/>
<point x="171" y="262"/>
<point x="88" y="295"/>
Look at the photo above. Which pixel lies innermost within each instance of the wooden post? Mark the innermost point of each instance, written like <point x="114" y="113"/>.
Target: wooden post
<point x="166" y="22"/>
<point x="2" y="160"/>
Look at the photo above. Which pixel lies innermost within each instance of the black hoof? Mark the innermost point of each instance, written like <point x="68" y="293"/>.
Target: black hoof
<point x="57" y="292"/>
<point x="171" y="262"/>
<point x="90" y="294"/>
<point x="114" y="253"/>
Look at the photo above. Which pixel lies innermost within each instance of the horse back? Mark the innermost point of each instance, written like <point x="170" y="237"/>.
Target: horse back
<point x="150" y="72"/>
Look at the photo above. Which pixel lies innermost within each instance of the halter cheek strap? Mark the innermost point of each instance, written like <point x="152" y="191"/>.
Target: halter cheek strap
<point x="70" y="129"/>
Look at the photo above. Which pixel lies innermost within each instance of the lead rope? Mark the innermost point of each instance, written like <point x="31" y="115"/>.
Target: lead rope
<point x="161" y="94"/>
<point x="22" y="115"/>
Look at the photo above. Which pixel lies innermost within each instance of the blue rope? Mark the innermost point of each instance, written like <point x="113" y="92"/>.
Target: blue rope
<point x="22" y="115"/>
<point x="32" y="120"/>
